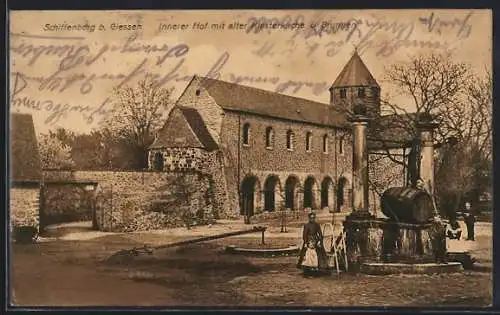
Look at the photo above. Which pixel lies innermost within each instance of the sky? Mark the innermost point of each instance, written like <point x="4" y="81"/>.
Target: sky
<point x="65" y="65"/>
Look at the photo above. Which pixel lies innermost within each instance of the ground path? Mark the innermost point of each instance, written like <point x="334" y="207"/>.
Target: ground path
<point x="68" y="271"/>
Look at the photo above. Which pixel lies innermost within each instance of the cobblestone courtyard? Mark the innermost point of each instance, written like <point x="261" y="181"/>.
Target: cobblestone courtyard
<point x="73" y="271"/>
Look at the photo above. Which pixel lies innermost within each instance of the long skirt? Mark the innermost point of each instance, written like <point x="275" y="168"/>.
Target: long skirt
<point x="313" y="260"/>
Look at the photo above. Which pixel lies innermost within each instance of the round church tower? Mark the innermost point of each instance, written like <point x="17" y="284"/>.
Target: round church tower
<point x="356" y="85"/>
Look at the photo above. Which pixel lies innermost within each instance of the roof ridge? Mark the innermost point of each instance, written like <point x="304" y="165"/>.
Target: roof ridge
<point x="233" y="96"/>
<point x="265" y="91"/>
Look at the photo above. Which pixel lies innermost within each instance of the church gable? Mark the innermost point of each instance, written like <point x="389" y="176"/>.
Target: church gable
<point x="176" y="133"/>
<point x="196" y="96"/>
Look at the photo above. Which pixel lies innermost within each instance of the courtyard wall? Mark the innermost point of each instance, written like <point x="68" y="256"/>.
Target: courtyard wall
<point x="139" y="200"/>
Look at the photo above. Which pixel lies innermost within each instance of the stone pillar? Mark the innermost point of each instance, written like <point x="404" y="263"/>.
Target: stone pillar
<point x="360" y="167"/>
<point x="363" y="234"/>
<point x="426" y="133"/>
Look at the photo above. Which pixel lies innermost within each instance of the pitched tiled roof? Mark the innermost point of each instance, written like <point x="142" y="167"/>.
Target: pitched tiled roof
<point x="231" y="96"/>
<point x="390" y="131"/>
<point x="355" y="73"/>
<point x="24" y="155"/>
<point x="198" y="126"/>
<point x="184" y="128"/>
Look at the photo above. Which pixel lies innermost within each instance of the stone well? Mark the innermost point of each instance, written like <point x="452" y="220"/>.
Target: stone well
<point x="381" y="246"/>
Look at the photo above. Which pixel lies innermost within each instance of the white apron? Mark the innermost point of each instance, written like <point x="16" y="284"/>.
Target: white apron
<point x="310" y="258"/>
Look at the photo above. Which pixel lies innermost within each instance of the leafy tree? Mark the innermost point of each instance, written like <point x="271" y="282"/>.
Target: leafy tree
<point x="138" y="112"/>
<point x="67" y="137"/>
<point x="90" y="151"/>
<point x="54" y="153"/>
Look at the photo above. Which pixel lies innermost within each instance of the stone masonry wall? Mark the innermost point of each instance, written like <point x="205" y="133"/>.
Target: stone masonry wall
<point x="199" y="160"/>
<point x="180" y="159"/>
<point x="24" y="206"/>
<point x="371" y="99"/>
<point x="224" y="207"/>
<point x="255" y="159"/>
<point x="134" y="201"/>
<point x="278" y="161"/>
<point x="195" y="96"/>
<point x="255" y="155"/>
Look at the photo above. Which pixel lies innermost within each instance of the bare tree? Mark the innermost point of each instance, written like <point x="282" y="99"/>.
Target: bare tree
<point x="460" y="101"/>
<point x="473" y="123"/>
<point x="434" y="83"/>
<point x="138" y="112"/>
<point x="448" y="91"/>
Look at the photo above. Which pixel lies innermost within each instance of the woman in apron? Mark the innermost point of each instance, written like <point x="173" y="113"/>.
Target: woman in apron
<point x="312" y="259"/>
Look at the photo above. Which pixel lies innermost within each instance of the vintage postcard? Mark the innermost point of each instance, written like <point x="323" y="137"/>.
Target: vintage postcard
<point x="251" y="158"/>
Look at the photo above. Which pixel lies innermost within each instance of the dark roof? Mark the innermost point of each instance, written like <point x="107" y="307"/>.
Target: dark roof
<point x="184" y="128"/>
<point x="199" y="127"/>
<point x="391" y="131"/>
<point x="355" y="73"/>
<point x="24" y="154"/>
<point x="231" y="96"/>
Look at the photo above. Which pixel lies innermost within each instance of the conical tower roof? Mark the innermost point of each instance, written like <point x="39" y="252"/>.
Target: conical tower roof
<point x="355" y="73"/>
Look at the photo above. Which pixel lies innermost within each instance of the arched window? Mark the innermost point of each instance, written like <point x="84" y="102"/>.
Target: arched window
<point x="341" y="145"/>
<point x="269" y="137"/>
<point x="325" y="144"/>
<point x="361" y="92"/>
<point x="343" y="93"/>
<point x="308" y="141"/>
<point x="246" y="134"/>
<point x="289" y="140"/>
<point x="159" y="164"/>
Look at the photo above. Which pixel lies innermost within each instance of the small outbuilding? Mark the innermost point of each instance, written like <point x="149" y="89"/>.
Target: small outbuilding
<point x="25" y="173"/>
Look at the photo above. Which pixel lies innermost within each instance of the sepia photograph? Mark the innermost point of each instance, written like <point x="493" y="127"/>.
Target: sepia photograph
<point x="250" y="158"/>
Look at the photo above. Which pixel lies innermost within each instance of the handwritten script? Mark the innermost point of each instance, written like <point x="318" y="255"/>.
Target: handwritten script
<point x="360" y="33"/>
<point x="72" y="72"/>
<point x="71" y="65"/>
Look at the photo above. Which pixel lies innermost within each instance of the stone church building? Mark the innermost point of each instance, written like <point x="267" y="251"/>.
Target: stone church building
<point x="266" y="151"/>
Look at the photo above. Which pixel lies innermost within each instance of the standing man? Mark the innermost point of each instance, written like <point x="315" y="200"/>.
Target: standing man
<point x="469" y="221"/>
